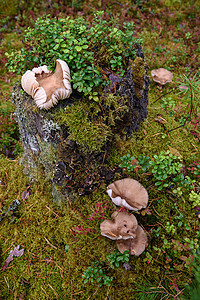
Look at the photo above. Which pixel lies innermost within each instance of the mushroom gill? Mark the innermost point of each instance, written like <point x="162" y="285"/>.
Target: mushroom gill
<point x="128" y="193"/>
<point x="122" y="226"/>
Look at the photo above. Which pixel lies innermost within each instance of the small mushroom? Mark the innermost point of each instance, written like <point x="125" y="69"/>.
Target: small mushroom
<point x="128" y="193"/>
<point x="135" y="246"/>
<point x="45" y="87"/>
<point x="122" y="226"/>
<point x="162" y="76"/>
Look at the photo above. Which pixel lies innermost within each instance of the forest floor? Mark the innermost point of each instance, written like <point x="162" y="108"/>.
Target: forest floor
<point x="60" y="244"/>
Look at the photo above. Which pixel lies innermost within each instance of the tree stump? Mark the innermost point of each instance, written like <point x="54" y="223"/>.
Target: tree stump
<point x="72" y="165"/>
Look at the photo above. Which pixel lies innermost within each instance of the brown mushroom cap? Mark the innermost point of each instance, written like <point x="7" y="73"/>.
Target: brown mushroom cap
<point x="135" y="246"/>
<point x="162" y="75"/>
<point x="45" y="87"/>
<point x="128" y="193"/>
<point x="122" y="226"/>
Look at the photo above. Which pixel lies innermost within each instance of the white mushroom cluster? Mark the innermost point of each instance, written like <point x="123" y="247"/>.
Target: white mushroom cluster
<point x="45" y="87"/>
<point x="123" y="227"/>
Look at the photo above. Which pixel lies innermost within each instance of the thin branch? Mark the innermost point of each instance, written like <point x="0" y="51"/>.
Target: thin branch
<point x="193" y="70"/>
<point x="177" y="127"/>
<point x="166" y="94"/>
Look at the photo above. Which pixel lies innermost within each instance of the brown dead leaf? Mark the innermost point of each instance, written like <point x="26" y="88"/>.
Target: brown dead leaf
<point x="26" y="193"/>
<point x="174" y="152"/>
<point x="15" y="252"/>
<point x="134" y="163"/>
<point x="183" y="87"/>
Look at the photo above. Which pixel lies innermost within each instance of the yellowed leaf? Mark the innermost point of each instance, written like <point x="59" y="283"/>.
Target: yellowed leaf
<point x="174" y="152"/>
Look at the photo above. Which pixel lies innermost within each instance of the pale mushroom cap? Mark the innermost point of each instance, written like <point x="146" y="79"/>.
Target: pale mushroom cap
<point x="41" y="69"/>
<point x="122" y="226"/>
<point x="48" y="88"/>
<point x="135" y="246"/>
<point x="162" y="75"/>
<point x="128" y="193"/>
<point x="29" y="83"/>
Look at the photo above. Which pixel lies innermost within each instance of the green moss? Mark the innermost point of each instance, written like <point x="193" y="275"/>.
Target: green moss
<point x="7" y="9"/>
<point x="90" y="136"/>
<point x="138" y="67"/>
<point x="43" y="230"/>
<point x="91" y="123"/>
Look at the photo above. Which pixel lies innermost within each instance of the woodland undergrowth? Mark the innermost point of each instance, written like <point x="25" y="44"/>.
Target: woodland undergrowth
<point x="65" y="256"/>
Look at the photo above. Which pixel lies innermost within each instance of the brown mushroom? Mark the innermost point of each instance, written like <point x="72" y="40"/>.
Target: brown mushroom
<point x="128" y="193"/>
<point x="135" y="246"/>
<point x="162" y="76"/>
<point x="45" y="87"/>
<point x="122" y="226"/>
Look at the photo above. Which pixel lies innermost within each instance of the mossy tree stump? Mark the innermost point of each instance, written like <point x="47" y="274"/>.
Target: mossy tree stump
<point x="72" y="142"/>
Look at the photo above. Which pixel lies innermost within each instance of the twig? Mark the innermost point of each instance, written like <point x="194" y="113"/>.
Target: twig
<point x="155" y="210"/>
<point x="179" y="293"/>
<point x="193" y="70"/>
<point x="45" y="293"/>
<point x="50" y="243"/>
<point x="166" y="93"/>
<point x="108" y="291"/>
<point x="57" y="297"/>
<point x="52" y="211"/>
<point x="177" y="127"/>
<point x="49" y="1"/>
<point x="94" y="292"/>
<point x="19" y="4"/>
<point x="7" y="283"/>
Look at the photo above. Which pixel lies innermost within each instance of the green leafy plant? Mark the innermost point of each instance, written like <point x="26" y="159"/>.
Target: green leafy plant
<point x="166" y="170"/>
<point x="126" y="162"/>
<point x="194" y="198"/>
<point x="87" y="48"/>
<point x="10" y="212"/>
<point x="168" y="105"/>
<point x="116" y="257"/>
<point x="170" y="228"/>
<point x="164" y="165"/>
<point x="96" y="273"/>
<point x="131" y="163"/>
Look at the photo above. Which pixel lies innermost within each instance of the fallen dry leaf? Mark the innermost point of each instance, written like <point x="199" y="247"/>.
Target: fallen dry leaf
<point x="183" y="87"/>
<point x="15" y="252"/>
<point x="26" y="193"/>
<point x="174" y="152"/>
<point x="134" y="162"/>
